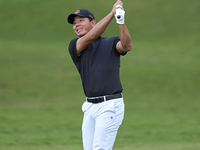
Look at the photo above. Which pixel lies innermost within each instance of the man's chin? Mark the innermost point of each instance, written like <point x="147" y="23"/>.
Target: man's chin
<point x="81" y="35"/>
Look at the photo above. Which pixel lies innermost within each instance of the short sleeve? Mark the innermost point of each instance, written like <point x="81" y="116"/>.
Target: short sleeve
<point x="73" y="50"/>
<point x="116" y="40"/>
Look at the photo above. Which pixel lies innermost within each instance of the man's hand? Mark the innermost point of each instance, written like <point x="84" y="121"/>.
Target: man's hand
<point x="115" y="7"/>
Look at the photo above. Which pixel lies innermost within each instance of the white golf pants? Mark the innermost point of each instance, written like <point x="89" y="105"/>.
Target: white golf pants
<point x="100" y="123"/>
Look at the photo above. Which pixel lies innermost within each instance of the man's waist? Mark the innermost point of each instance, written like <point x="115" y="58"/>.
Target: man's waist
<point x="103" y="98"/>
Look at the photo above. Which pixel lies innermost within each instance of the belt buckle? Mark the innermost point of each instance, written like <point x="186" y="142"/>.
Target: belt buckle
<point x="104" y="97"/>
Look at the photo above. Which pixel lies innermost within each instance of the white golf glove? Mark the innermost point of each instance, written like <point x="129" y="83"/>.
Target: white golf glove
<point x="120" y="14"/>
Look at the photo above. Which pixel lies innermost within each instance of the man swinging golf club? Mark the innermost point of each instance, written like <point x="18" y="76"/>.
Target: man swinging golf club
<point x="98" y="61"/>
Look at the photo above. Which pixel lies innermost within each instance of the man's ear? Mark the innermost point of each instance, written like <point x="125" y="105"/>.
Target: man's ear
<point x="93" y="22"/>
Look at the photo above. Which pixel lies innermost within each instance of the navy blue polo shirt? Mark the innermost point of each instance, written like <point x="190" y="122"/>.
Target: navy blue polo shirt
<point x="98" y="66"/>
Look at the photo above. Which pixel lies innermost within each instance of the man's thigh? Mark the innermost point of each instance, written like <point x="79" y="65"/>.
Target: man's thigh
<point x="88" y="127"/>
<point x="107" y="125"/>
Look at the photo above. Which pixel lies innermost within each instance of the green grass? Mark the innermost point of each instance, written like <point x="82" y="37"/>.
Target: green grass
<point x="40" y="89"/>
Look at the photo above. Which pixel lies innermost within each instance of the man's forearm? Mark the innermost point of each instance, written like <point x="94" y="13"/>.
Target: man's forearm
<point x="125" y="37"/>
<point x="94" y="33"/>
<point x="100" y="27"/>
<point x="97" y="30"/>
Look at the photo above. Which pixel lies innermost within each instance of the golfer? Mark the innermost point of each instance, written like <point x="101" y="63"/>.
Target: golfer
<point x="97" y="60"/>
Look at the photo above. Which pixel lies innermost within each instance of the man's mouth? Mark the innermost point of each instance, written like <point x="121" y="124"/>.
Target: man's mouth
<point x="79" y="30"/>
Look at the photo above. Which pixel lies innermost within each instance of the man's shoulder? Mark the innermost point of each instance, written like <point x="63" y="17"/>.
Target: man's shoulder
<point x="74" y="40"/>
<point x="113" y="39"/>
<point x="110" y="38"/>
<point x="72" y="44"/>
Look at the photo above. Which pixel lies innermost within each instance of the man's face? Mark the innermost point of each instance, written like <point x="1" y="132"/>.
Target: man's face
<point x="82" y="26"/>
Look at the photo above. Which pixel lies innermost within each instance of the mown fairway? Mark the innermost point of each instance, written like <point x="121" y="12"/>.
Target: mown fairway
<point x="40" y="89"/>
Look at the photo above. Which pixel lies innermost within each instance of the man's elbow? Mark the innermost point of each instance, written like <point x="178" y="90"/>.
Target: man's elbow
<point x="128" y="47"/>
